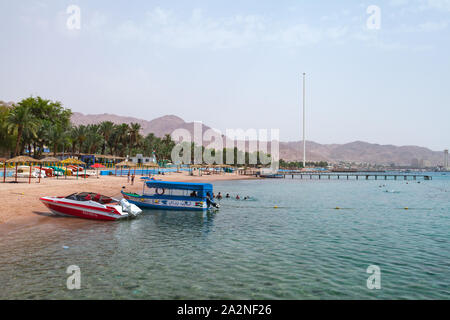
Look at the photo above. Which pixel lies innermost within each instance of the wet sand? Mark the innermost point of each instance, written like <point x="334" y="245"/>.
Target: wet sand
<point x="22" y="208"/>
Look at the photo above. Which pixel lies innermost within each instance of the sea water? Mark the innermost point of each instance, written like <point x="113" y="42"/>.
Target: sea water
<point x="293" y="239"/>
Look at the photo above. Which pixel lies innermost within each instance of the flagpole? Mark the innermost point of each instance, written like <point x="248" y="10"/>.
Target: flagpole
<point x="304" y="117"/>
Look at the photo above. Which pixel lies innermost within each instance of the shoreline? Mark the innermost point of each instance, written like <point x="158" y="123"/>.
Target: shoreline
<point x="25" y="210"/>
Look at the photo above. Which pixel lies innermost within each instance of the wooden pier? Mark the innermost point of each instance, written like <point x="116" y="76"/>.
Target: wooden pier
<point x="354" y="176"/>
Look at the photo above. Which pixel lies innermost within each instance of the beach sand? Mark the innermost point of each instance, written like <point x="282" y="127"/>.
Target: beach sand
<point x="21" y="205"/>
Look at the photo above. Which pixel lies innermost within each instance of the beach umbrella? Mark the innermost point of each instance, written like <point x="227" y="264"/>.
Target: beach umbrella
<point x="21" y="159"/>
<point x="72" y="161"/>
<point x="97" y="166"/>
<point x="150" y="165"/>
<point x="125" y="163"/>
<point x="129" y="164"/>
<point x="49" y="160"/>
<point x="75" y="162"/>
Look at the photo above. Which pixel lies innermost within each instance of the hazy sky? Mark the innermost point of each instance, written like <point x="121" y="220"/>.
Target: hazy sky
<point x="238" y="64"/>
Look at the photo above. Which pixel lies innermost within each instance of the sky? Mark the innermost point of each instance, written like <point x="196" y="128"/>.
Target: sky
<point x="377" y="74"/>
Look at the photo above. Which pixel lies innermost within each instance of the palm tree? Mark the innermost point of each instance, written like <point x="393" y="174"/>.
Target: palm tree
<point x="134" y="133"/>
<point x="79" y="136"/>
<point x="21" y="117"/>
<point x="106" y="130"/>
<point x="122" y="137"/>
<point x="6" y="139"/>
<point x="57" y="137"/>
<point x="167" y="145"/>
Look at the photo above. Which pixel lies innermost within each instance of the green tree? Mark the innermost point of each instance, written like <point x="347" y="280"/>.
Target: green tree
<point x="20" y="117"/>
<point x="106" y="130"/>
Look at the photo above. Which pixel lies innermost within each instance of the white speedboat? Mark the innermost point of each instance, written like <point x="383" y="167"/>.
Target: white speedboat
<point x="91" y="206"/>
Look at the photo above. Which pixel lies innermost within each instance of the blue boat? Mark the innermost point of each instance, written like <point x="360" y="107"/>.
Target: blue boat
<point x="167" y="195"/>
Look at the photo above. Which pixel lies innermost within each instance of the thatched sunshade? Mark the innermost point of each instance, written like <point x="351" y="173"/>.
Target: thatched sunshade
<point x="150" y="165"/>
<point x="23" y="159"/>
<point x="72" y="161"/>
<point x="129" y="164"/>
<point x="50" y="160"/>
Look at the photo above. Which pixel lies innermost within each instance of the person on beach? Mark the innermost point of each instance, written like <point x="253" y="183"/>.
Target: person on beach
<point x="128" y="176"/>
<point x="132" y="179"/>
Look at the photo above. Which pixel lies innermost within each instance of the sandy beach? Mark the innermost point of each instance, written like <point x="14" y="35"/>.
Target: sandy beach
<point x="24" y="207"/>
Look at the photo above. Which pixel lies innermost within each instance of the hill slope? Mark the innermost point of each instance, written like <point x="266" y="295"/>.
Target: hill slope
<point x="357" y="151"/>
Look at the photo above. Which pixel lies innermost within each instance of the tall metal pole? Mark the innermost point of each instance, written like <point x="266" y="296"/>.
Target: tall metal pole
<point x="304" y="115"/>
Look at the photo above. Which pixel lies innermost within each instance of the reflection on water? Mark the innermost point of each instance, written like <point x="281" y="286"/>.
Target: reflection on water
<point x="302" y="249"/>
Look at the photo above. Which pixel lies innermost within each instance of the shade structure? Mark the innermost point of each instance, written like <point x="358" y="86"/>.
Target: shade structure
<point x="50" y="160"/>
<point x="129" y="164"/>
<point x="97" y="166"/>
<point x="21" y="159"/>
<point x="73" y="161"/>
<point x="150" y="165"/>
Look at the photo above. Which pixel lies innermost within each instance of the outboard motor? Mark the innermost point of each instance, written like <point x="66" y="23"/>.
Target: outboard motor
<point x="129" y="208"/>
<point x="211" y="203"/>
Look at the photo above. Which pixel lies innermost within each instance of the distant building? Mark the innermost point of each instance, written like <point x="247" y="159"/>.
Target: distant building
<point x="415" y="163"/>
<point x="426" y="163"/>
<point x="140" y="159"/>
<point x="446" y="158"/>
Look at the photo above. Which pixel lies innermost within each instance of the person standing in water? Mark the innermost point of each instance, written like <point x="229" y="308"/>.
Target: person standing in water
<point x="237" y="197"/>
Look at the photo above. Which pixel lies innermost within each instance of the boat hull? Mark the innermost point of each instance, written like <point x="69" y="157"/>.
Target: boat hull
<point x="148" y="202"/>
<point x="81" y="211"/>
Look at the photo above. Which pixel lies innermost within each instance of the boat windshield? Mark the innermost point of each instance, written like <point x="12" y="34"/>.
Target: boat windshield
<point x="90" y="196"/>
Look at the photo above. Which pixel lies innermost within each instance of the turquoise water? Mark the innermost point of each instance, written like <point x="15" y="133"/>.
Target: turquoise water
<point x="304" y="249"/>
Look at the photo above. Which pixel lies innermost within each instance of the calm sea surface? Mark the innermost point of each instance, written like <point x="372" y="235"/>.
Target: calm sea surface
<point x="304" y="249"/>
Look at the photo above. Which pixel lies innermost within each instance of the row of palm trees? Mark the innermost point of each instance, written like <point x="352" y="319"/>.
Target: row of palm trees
<point x="116" y="139"/>
<point x="35" y="123"/>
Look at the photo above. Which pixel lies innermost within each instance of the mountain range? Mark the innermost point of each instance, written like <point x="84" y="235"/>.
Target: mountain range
<point x="357" y="151"/>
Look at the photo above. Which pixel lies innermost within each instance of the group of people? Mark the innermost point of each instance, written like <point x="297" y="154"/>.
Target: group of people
<point x="132" y="178"/>
<point x="219" y="196"/>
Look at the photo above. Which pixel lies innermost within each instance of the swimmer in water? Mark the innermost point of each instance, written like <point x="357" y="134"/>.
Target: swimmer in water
<point x="237" y="197"/>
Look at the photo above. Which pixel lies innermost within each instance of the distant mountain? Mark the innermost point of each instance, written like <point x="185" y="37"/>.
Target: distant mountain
<point x="7" y="104"/>
<point x="360" y="151"/>
<point x="357" y="151"/>
<point x="159" y="126"/>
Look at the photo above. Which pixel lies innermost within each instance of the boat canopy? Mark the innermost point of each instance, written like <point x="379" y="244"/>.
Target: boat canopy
<point x="200" y="188"/>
